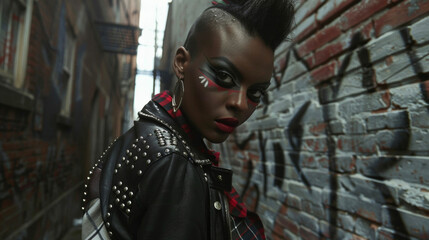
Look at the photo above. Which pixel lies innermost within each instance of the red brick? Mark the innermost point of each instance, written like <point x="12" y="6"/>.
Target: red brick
<point x="337" y="10"/>
<point x="362" y="11"/>
<point x="304" y="33"/>
<point x="308" y="234"/>
<point x="318" y="128"/>
<point x="287" y="224"/>
<point x="400" y="14"/>
<point x="307" y="161"/>
<point x="323" y="55"/>
<point x="366" y="30"/>
<point x="318" y="40"/>
<point x="324" y="72"/>
<point x="316" y="144"/>
<point x="277" y="237"/>
<point x="280" y="63"/>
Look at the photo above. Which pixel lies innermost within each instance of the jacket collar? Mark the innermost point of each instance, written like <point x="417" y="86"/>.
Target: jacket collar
<point x="161" y="107"/>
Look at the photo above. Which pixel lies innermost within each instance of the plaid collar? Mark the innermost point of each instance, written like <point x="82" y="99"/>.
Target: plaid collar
<point x="164" y="99"/>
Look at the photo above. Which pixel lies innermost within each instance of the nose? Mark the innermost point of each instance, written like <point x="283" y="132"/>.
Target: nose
<point x="237" y="100"/>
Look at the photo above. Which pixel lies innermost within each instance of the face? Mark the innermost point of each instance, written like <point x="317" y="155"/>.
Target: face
<point x="225" y="80"/>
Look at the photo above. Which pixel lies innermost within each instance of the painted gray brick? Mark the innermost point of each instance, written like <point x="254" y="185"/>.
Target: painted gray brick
<point x="407" y="168"/>
<point x="419" y="31"/>
<point x="393" y="140"/>
<point x="352" y="204"/>
<point x="415" y="224"/>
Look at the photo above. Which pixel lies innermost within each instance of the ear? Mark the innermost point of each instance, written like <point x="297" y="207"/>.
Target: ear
<point x="181" y="60"/>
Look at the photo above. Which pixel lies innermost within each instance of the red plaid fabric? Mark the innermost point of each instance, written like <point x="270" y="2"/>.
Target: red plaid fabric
<point x="245" y="226"/>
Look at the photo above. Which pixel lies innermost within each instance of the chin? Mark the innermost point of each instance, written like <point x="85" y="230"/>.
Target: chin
<point x="218" y="138"/>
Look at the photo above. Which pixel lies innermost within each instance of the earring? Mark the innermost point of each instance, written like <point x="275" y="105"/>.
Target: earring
<point x="178" y="93"/>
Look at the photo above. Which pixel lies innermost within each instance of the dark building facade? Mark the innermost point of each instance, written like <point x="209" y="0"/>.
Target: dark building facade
<point x="66" y="91"/>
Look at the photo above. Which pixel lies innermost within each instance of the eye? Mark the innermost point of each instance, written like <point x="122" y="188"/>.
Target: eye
<point x="255" y="95"/>
<point x="224" y="77"/>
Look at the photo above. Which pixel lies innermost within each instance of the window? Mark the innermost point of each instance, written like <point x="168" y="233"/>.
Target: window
<point x="15" y="17"/>
<point x="65" y="82"/>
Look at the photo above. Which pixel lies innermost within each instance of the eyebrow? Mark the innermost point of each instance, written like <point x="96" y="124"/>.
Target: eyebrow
<point x="226" y="63"/>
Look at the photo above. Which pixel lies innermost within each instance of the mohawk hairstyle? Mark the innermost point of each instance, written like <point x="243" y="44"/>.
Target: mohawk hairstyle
<point x="271" y="20"/>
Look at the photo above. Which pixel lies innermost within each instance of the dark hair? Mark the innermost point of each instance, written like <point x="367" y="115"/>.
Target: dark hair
<point x="271" y="20"/>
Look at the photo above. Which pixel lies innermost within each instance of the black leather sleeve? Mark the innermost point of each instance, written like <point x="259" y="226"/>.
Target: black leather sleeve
<point x="173" y="201"/>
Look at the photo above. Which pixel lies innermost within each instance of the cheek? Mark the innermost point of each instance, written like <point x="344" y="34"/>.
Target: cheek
<point x="207" y="95"/>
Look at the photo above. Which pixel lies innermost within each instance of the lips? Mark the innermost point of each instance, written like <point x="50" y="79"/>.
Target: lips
<point x="226" y="125"/>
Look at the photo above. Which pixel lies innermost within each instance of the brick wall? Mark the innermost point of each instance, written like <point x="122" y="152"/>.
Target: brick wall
<point x="339" y="149"/>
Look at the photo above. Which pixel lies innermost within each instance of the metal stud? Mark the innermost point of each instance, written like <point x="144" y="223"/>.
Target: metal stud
<point x="144" y="154"/>
<point x="120" y="183"/>
<point x="124" y="197"/>
<point x="116" y="170"/>
<point x="141" y="137"/>
<point x="131" y="194"/>
<point x="217" y="205"/>
<point x="84" y="193"/>
<point x="136" y="158"/>
<point x="158" y="154"/>
<point x="147" y="147"/>
<point x="117" y="200"/>
<point x="119" y="165"/>
<point x="108" y="224"/>
<point x="129" y="203"/>
<point x="128" y="211"/>
<point x="219" y="177"/>
<point x="118" y="191"/>
<point x="110" y="206"/>
<point x="167" y="150"/>
<point x="122" y="205"/>
<point x="83" y="209"/>
<point x="140" y="172"/>
<point x="108" y="214"/>
<point x="138" y="150"/>
<point x="148" y="161"/>
<point x="125" y="188"/>
<point x="110" y="233"/>
<point x="132" y="166"/>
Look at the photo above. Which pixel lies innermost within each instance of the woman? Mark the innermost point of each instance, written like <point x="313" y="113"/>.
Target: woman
<point x="159" y="180"/>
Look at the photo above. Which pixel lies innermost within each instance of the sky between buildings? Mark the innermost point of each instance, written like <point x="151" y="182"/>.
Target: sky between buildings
<point x="151" y="11"/>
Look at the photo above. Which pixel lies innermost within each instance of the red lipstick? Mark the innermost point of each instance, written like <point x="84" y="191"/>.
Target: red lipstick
<point x="226" y="125"/>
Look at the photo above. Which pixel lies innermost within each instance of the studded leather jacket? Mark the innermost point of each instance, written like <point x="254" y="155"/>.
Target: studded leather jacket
<point x="153" y="183"/>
